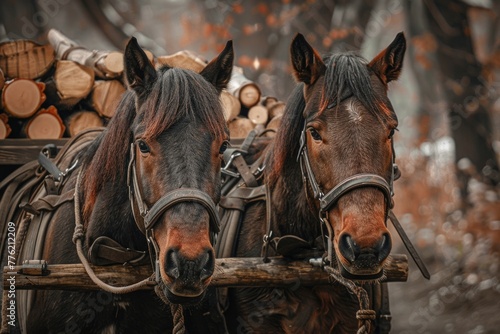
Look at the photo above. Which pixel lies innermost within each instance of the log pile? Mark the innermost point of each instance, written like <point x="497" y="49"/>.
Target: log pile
<point x="245" y="109"/>
<point x="56" y="90"/>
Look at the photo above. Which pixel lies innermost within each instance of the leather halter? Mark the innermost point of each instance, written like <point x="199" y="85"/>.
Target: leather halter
<point x="353" y="182"/>
<point x="146" y="218"/>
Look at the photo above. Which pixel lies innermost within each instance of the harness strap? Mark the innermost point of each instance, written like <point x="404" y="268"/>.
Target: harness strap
<point x="384" y="316"/>
<point x="353" y="182"/>
<point x="105" y="251"/>
<point x="409" y="246"/>
<point x="242" y="194"/>
<point x="245" y="172"/>
<point x="178" y="196"/>
<point x="50" y="166"/>
<point x="47" y="203"/>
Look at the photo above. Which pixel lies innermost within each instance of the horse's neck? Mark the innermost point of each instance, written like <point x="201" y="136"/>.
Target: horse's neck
<point x="112" y="217"/>
<point x="292" y="208"/>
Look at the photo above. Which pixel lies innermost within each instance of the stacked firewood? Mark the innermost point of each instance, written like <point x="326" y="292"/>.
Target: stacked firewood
<point x="61" y="88"/>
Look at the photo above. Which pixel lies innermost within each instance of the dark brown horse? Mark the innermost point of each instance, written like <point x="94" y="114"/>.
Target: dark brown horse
<point x="329" y="176"/>
<point x="152" y="177"/>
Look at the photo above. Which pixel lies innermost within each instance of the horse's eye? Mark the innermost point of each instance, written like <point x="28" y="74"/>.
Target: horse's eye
<point x="314" y="134"/>
<point x="143" y="147"/>
<point x="223" y="147"/>
<point x="391" y="133"/>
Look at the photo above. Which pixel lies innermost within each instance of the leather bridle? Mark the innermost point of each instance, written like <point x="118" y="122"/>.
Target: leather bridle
<point x="355" y="181"/>
<point x="146" y="218"/>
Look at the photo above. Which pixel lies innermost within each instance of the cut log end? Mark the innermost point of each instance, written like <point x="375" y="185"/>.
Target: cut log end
<point x="240" y="127"/>
<point x="73" y="81"/>
<point x="276" y="109"/>
<point x="249" y="95"/>
<point x="21" y="98"/>
<point x="5" y="129"/>
<point x="113" y="62"/>
<point x="273" y="125"/>
<point x="25" y="59"/>
<point x="105" y="97"/>
<point x="82" y="120"/>
<point x="230" y="105"/>
<point x="46" y="124"/>
<point x="258" y="115"/>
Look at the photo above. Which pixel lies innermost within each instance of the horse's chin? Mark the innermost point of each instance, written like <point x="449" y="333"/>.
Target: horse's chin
<point x="363" y="274"/>
<point x="187" y="300"/>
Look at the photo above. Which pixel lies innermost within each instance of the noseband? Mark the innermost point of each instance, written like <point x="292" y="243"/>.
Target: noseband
<point x="146" y="218"/>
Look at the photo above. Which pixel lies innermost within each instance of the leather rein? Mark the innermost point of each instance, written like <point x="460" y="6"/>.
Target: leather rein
<point x="146" y="217"/>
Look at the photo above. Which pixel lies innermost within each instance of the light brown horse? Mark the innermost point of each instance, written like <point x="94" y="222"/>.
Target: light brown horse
<point x="329" y="175"/>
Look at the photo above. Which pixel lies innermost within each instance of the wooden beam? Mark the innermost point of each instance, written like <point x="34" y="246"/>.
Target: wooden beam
<point x="229" y="272"/>
<point x="21" y="151"/>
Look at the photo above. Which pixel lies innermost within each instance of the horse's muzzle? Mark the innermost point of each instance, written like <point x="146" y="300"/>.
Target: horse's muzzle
<point x="366" y="262"/>
<point x="188" y="278"/>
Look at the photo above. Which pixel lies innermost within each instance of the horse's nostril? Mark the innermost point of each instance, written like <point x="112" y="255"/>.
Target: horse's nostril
<point x="207" y="265"/>
<point x="384" y="247"/>
<point x="172" y="264"/>
<point x="348" y="247"/>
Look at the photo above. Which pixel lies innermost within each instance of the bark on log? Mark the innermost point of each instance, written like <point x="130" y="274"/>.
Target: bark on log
<point x="105" y="64"/>
<point x="78" y="121"/>
<point x="25" y="59"/>
<point x="230" y="105"/>
<point x="229" y="272"/>
<point x="21" y="98"/>
<point x="240" y="127"/>
<point x="5" y="129"/>
<point x="46" y="124"/>
<point x="2" y="79"/>
<point x="105" y="97"/>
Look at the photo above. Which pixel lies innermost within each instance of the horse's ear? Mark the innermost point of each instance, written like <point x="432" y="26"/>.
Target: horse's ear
<point x="139" y="72"/>
<point x="306" y="62"/>
<point x="218" y="71"/>
<point x="388" y="63"/>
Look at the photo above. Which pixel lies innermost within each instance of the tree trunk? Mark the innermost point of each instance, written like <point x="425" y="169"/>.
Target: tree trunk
<point x="349" y="24"/>
<point x="465" y="91"/>
<point x="421" y="57"/>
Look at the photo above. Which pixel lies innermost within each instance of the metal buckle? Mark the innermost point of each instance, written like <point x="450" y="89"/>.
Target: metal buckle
<point x="225" y="169"/>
